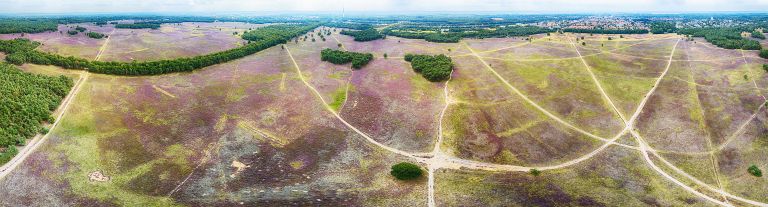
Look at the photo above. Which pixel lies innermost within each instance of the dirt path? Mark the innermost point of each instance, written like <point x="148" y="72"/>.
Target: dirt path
<point x="534" y="104"/>
<point x="38" y="140"/>
<point x="104" y="46"/>
<point x="757" y="89"/>
<point x="644" y="148"/>
<point x="349" y="80"/>
<point x="328" y="107"/>
<point x="600" y="86"/>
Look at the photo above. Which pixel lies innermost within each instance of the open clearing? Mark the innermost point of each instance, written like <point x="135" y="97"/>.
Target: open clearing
<point x="643" y="120"/>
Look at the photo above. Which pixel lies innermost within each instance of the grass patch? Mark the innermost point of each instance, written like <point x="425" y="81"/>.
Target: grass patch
<point x="339" y="96"/>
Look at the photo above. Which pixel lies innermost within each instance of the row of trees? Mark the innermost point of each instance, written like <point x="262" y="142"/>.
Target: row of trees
<point x="364" y="35"/>
<point x="27" y="101"/>
<point x="151" y="25"/>
<point x="607" y="31"/>
<point x="338" y="57"/>
<point x="260" y="39"/>
<point x="434" y="68"/>
<point x="348" y="25"/>
<point x="428" y="36"/>
<point x="456" y="34"/>
<point x="728" y="38"/>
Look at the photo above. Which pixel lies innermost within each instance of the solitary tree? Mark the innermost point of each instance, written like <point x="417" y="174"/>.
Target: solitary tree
<point x="406" y="171"/>
<point x="385" y="55"/>
<point x="583" y="43"/>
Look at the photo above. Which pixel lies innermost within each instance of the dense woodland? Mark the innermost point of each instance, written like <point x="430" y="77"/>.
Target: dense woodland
<point x="728" y="38"/>
<point x="339" y="57"/>
<point x="19" y="52"/>
<point x="364" y="35"/>
<point x="8" y="26"/>
<point x="758" y="35"/>
<point x="26" y="101"/>
<point x="434" y="68"/>
<point x="662" y="27"/>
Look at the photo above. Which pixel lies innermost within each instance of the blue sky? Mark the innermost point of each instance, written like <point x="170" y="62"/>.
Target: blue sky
<point x="540" y="6"/>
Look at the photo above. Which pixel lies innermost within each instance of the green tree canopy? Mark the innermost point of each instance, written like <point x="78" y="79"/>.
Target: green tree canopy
<point x="406" y="171"/>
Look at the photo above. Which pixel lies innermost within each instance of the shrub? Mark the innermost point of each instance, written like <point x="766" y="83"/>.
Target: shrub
<point x="8" y="154"/>
<point x="535" y="172"/>
<point x="72" y="32"/>
<point x="44" y="130"/>
<point x="406" y="171"/>
<point x="764" y="53"/>
<point x="755" y="171"/>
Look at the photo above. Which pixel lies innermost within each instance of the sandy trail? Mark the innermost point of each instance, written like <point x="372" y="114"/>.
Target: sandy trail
<point x="328" y="107"/>
<point x="104" y="46"/>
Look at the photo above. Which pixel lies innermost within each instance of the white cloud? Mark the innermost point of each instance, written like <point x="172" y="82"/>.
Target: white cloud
<point x="66" y="6"/>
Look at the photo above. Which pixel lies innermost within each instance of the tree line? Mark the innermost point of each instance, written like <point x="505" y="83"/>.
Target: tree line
<point x="142" y="25"/>
<point x="339" y="57"/>
<point x="364" y="35"/>
<point x="434" y="68"/>
<point x="724" y="37"/>
<point x="456" y="34"/>
<point x="26" y="101"/>
<point x="348" y="25"/>
<point x="607" y="31"/>
<point x="260" y="39"/>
